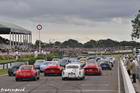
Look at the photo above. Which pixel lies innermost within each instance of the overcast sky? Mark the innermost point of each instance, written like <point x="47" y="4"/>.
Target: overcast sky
<point x="76" y="19"/>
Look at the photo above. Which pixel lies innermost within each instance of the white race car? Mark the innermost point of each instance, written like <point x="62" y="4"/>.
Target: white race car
<point x="73" y="71"/>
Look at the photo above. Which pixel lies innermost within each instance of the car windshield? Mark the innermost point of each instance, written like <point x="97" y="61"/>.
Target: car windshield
<point x="72" y="67"/>
<point x="55" y="59"/>
<point x="46" y="62"/>
<point x="53" y="63"/>
<point x="83" y="59"/>
<point x="74" y="60"/>
<point x="64" y="62"/>
<point x="90" y="64"/>
<point x="91" y="57"/>
<point x="25" y="67"/>
<point x="91" y="61"/>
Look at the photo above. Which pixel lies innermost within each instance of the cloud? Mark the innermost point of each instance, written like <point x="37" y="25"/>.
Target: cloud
<point x="87" y="9"/>
<point x="78" y="19"/>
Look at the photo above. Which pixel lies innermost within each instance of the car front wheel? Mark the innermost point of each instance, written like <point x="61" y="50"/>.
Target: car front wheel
<point x="35" y="78"/>
<point x="63" y="78"/>
<point x="83" y="78"/>
<point x="45" y="74"/>
<point x="17" y="79"/>
<point x="9" y="74"/>
<point x="38" y="78"/>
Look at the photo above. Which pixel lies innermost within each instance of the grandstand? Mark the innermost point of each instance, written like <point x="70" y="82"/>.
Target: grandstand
<point x="18" y="37"/>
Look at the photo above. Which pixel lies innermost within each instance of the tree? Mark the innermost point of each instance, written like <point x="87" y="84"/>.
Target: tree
<point x="108" y="43"/>
<point x="71" y="43"/>
<point x="103" y="43"/>
<point x="37" y="43"/>
<point x="136" y="27"/>
<point x="57" y="44"/>
<point x="90" y="44"/>
<point x="129" y="43"/>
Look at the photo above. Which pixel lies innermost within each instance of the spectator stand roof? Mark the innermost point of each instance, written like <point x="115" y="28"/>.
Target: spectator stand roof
<point x="6" y="28"/>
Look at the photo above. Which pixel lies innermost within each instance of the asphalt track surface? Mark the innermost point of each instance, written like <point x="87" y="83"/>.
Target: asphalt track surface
<point x="107" y="83"/>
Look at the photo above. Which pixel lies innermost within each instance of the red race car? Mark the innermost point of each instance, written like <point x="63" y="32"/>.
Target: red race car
<point x="92" y="68"/>
<point x="53" y="69"/>
<point x="27" y="72"/>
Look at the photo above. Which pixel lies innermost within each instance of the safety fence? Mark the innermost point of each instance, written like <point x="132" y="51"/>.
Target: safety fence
<point x="138" y="73"/>
<point x="9" y="64"/>
<point x="128" y="86"/>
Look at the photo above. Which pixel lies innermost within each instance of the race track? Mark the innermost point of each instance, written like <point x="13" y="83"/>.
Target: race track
<point x="107" y="83"/>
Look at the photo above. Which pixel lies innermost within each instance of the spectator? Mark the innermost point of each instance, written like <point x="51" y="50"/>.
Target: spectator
<point x="133" y="70"/>
<point x="35" y="54"/>
<point x="128" y="65"/>
<point x="17" y="55"/>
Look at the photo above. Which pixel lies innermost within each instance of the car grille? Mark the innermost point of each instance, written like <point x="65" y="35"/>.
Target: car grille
<point x="71" y="73"/>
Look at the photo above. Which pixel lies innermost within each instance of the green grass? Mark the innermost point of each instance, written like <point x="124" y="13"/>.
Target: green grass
<point x="3" y="71"/>
<point x="12" y="60"/>
<point x="6" y="61"/>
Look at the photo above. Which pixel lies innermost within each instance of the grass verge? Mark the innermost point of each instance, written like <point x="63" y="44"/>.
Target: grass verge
<point x="3" y="71"/>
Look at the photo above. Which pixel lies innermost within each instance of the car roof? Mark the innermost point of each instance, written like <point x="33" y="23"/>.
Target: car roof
<point x="17" y="64"/>
<point x="24" y="66"/>
<point x="51" y="61"/>
<point x="71" y="64"/>
<point x="40" y="60"/>
<point x="55" y="59"/>
<point x="91" y="64"/>
<point x="28" y="65"/>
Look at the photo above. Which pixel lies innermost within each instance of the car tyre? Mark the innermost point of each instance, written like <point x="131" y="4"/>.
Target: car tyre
<point x="35" y="78"/>
<point x="83" y="78"/>
<point x="45" y="74"/>
<point x="17" y="79"/>
<point x="9" y="74"/>
<point x="100" y="74"/>
<point x="38" y="78"/>
<point x="63" y="78"/>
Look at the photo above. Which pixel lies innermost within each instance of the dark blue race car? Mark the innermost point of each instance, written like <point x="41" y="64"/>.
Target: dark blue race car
<point x="105" y="66"/>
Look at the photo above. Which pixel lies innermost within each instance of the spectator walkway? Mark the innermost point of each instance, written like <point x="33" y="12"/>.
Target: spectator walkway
<point x="137" y="86"/>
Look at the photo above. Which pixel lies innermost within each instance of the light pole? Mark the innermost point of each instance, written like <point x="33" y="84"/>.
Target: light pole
<point x="39" y="43"/>
<point x="39" y="27"/>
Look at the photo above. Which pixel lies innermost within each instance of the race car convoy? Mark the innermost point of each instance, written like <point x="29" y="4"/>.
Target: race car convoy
<point x="67" y="68"/>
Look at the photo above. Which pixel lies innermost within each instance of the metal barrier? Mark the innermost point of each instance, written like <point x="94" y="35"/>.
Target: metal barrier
<point x="128" y="86"/>
<point x="138" y="73"/>
<point x="5" y="65"/>
<point x="9" y="64"/>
